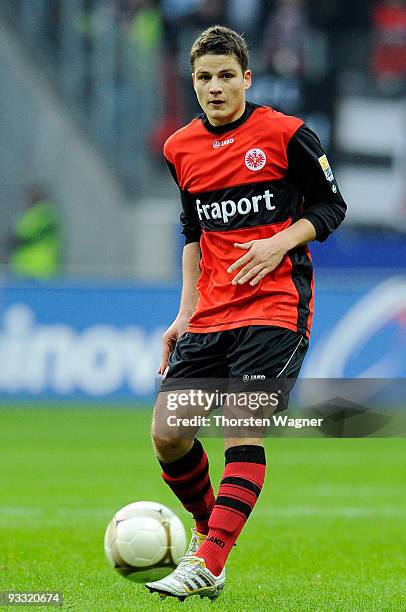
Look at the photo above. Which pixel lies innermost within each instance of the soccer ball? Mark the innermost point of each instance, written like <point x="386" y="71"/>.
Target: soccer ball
<point x="144" y="541"/>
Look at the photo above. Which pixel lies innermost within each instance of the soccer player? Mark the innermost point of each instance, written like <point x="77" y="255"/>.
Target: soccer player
<point x="256" y="188"/>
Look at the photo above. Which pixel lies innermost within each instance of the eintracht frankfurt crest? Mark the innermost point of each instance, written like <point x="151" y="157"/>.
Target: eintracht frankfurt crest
<point x="255" y="159"/>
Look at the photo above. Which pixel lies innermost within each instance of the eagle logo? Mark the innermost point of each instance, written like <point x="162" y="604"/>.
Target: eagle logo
<point x="255" y="159"/>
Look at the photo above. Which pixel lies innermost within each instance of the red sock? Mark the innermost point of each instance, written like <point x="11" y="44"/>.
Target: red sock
<point x="189" y="479"/>
<point x="240" y="487"/>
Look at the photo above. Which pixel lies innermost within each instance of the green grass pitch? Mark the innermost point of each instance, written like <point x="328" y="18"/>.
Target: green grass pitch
<point x="327" y="534"/>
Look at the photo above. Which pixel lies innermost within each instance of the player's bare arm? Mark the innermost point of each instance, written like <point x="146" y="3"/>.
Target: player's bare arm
<point x="191" y="272"/>
<point x="265" y="255"/>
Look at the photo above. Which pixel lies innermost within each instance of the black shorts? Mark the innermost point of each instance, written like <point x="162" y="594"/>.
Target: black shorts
<point x="256" y="354"/>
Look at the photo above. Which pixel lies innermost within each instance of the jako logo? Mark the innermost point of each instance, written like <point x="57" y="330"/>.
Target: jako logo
<point x="247" y="377"/>
<point x="221" y="143"/>
<point x="228" y="208"/>
<point x="216" y="541"/>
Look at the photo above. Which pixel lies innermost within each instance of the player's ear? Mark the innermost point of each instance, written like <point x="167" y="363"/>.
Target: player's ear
<point x="194" y="80"/>
<point x="247" y="79"/>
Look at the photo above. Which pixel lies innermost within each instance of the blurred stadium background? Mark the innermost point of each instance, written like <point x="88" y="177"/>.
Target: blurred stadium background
<point x="89" y="240"/>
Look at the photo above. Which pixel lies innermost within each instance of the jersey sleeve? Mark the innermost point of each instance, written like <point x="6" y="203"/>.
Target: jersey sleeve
<point x="309" y="170"/>
<point x="188" y="217"/>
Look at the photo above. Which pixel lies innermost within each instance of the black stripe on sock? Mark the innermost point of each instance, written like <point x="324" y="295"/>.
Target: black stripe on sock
<point x="190" y="483"/>
<point x="235" y="512"/>
<point x="185" y="463"/>
<point x="202" y="517"/>
<point x="197" y="496"/>
<point x="235" y="504"/>
<point x="248" y="453"/>
<point x="243" y="483"/>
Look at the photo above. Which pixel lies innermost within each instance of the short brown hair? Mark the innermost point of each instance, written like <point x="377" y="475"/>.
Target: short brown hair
<point x="220" y="40"/>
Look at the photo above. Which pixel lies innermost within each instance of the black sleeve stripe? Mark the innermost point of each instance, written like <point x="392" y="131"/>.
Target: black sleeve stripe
<point x="190" y="221"/>
<point x="324" y="205"/>
<point x="188" y="218"/>
<point x="172" y="170"/>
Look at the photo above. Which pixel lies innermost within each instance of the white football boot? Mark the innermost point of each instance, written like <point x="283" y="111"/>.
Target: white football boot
<point x="191" y="577"/>
<point x="196" y="540"/>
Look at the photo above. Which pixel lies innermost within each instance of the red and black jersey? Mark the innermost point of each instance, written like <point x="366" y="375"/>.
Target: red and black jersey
<point x="245" y="181"/>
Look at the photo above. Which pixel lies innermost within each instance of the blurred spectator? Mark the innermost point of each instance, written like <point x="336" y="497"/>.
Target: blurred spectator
<point x="174" y="14"/>
<point x="107" y="60"/>
<point x="178" y="9"/>
<point x="285" y="38"/>
<point x="389" y="52"/>
<point x="36" y="243"/>
<point x="246" y="21"/>
<point x="182" y="21"/>
<point x="280" y="83"/>
<point x="211" y="11"/>
<point x="142" y="22"/>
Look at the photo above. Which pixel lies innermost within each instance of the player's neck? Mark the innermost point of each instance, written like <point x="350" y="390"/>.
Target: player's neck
<point x="227" y="127"/>
<point x="235" y="117"/>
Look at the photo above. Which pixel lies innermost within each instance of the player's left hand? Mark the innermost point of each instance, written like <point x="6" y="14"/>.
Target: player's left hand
<point x="262" y="258"/>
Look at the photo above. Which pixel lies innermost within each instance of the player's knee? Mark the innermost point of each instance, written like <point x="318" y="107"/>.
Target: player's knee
<point x="170" y="447"/>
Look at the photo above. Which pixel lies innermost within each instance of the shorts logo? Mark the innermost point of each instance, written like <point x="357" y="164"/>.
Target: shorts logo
<point x="221" y="143"/>
<point x="255" y="159"/>
<point x="248" y="377"/>
<point x="323" y="161"/>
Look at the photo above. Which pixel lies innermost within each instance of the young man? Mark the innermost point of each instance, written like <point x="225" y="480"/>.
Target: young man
<point x="256" y="187"/>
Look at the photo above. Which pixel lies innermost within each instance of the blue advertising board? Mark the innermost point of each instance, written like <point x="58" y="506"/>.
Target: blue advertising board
<point x="103" y="341"/>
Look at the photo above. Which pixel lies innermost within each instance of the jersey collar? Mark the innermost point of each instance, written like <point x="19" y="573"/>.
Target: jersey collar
<point x="221" y="129"/>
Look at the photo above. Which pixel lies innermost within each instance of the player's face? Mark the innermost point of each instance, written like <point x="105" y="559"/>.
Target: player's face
<point x="220" y="86"/>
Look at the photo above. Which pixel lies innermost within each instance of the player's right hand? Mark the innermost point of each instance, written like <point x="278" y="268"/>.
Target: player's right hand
<point x="169" y="340"/>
